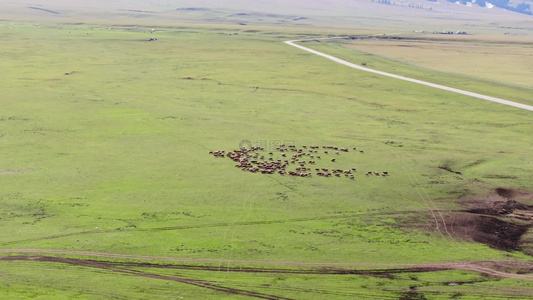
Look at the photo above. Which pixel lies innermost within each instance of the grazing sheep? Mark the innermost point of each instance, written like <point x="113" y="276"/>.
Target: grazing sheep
<point x="251" y="160"/>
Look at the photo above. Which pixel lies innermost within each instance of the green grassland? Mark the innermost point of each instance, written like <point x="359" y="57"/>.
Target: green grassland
<point x="48" y="281"/>
<point x="105" y="138"/>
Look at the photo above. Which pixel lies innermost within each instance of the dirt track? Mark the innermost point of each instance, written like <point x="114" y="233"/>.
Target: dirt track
<point x="433" y="85"/>
<point x="123" y="269"/>
<point x="131" y="267"/>
<point x="493" y="268"/>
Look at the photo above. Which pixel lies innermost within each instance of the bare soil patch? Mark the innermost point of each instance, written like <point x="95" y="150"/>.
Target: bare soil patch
<point x="502" y="220"/>
<point x="498" y="220"/>
<point x="515" y="194"/>
<point x="497" y="233"/>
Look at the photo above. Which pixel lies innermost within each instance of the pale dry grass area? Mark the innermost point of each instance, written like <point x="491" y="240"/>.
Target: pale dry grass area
<point x="502" y="59"/>
<point x="340" y="16"/>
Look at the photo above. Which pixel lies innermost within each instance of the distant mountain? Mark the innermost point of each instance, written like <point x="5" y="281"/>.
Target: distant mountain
<point x="521" y="6"/>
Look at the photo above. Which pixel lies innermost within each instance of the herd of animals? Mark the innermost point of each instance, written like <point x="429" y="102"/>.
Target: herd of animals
<point x="293" y="161"/>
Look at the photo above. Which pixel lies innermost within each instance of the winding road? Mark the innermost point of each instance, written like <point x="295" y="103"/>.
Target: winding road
<point x="433" y="85"/>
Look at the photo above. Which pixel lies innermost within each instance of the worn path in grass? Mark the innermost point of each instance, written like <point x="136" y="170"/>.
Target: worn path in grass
<point x="438" y="86"/>
<point x="488" y="268"/>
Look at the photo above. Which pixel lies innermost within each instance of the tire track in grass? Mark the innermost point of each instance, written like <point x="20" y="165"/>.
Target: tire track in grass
<point x="212" y="225"/>
<point x="427" y="199"/>
<point x="238" y="221"/>
<point x="487" y="267"/>
<point x="409" y="176"/>
<point x="119" y="268"/>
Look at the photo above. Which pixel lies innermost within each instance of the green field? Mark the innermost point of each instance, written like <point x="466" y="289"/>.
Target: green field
<point x="463" y="76"/>
<point x="105" y="141"/>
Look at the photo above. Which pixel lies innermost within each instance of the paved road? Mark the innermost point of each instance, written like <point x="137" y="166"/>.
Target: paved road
<point x="438" y="86"/>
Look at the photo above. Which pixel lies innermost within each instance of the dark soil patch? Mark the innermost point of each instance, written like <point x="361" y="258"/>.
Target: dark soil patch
<point x="193" y="9"/>
<point x="497" y="233"/>
<point x="412" y="295"/>
<point x="515" y="194"/>
<point x="499" y="208"/>
<point x="497" y="176"/>
<point x="498" y="220"/>
<point x="45" y="10"/>
<point x="449" y="170"/>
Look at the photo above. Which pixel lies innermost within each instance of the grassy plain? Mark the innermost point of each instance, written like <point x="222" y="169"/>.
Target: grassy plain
<point x="502" y="59"/>
<point x="456" y="74"/>
<point x="105" y="139"/>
